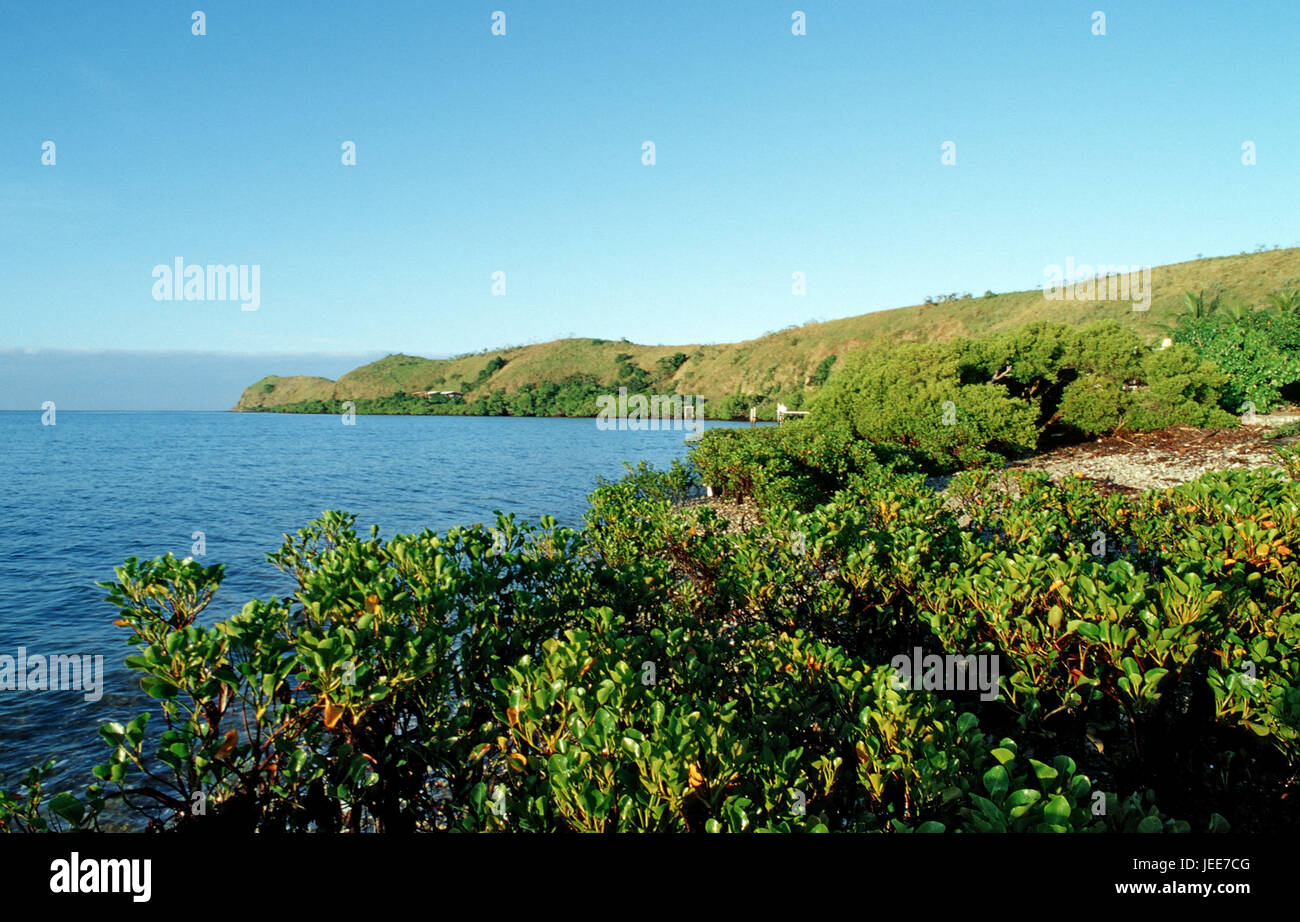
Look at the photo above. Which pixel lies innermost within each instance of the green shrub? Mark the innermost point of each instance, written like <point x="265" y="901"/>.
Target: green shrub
<point x="823" y="371"/>
<point x="1094" y="405"/>
<point x="1169" y="387"/>
<point x="796" y="464"/>
<point x="970" y="403"/>
<point x="1259" y="353"/>
<point x="665" y="670"/>
<point x="1181" y="390"/>
<point x="919" y="403"/>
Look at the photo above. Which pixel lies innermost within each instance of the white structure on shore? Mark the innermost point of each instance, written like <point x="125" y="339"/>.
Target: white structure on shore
<point x="782" y="413"/>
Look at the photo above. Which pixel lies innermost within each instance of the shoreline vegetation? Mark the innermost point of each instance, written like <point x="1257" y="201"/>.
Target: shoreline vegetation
<point x="822" y="665"/>
<point x="409" y="405"/>
<point x="788" y="366"/>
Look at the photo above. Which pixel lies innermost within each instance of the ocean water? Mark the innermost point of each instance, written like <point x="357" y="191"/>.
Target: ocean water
<point x="79" y="497"/>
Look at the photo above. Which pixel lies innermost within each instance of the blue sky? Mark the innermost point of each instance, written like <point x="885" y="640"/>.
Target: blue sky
<point x="479" y="153"/>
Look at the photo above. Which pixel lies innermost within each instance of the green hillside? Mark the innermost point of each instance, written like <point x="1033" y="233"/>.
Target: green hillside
<point x="782" y="363"/>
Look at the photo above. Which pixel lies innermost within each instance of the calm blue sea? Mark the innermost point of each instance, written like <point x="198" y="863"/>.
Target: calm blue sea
<point x="79" y="497"/>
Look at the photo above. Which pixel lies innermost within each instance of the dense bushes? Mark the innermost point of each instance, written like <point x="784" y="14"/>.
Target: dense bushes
<point x="971" y="403"/>
<point x="361" y="703"/>
<point x="1259" y="352"/>
<point x="1163" y="590"/>
<point x="927" y="403"/>
<point x="660" y="670"/>
<point x="965" y="403"/>
<point x="1182" y="389"/>
<point x="796" y="464"/>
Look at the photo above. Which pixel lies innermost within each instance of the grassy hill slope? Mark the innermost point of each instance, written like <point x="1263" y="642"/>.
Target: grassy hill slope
<point x="783" y="362"/>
